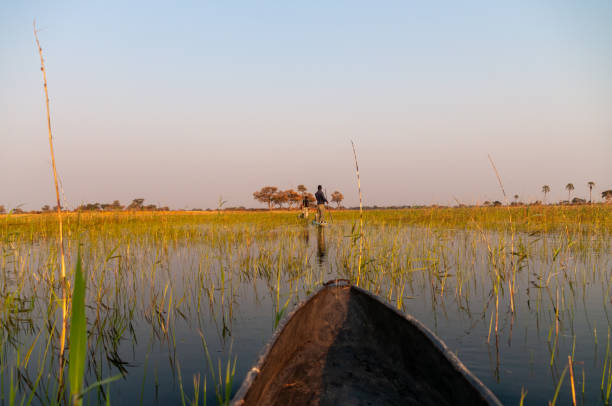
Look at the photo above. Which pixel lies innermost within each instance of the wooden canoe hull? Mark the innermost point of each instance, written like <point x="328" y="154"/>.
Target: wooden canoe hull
<point x="344" y="346"/>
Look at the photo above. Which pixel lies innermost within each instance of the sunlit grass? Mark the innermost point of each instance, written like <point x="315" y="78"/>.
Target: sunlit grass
<point x="164" y="268"/>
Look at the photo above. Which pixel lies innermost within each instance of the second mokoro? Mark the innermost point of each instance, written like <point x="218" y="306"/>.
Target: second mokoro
<point x="343" y="346"/>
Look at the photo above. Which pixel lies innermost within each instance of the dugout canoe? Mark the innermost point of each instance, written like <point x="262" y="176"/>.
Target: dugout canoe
<point x="343" y="346"/>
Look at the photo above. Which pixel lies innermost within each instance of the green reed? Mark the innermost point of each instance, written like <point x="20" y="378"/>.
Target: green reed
<point x="167" y="270"/>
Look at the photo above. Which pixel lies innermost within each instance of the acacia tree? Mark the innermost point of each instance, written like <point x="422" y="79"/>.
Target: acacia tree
<point x="136" y="204"/>
<point x="569" y="187"/>
<point x="607" y="195"/>
<point x="516" y="199"/>
<point x="545" y="190"/>
<point x="337" y="198"/>
<point x="302" y="189"/>
<point x="279" y="198"/>
<point x="293" y="197"/>
<point x="115" y="205"/>
<point x="265" y="195"/>
<point x="2" y="209"/>
<point x="591" y="184"/>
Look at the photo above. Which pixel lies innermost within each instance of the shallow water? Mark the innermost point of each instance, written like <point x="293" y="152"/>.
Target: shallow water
<point x="151" y="301"/>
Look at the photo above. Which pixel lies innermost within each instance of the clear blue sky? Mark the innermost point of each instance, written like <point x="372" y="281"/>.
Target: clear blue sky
<point x="181" y="104"/>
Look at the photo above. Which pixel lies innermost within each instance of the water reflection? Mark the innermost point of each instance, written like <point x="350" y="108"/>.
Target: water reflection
<point x="321" y="247"/>
<point x="306" y="234"/>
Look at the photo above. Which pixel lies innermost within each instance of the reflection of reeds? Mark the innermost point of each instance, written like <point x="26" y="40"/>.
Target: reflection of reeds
<point x="59" y="213"/>
<point x="223" y="381"/>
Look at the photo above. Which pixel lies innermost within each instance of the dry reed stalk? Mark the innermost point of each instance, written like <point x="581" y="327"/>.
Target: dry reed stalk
<point x="59" y="211"/>
<point x="498" y="177"/>
<point x="360" y="214"/>
<point x="511" y="281"/>
<point x="571" y="370"/>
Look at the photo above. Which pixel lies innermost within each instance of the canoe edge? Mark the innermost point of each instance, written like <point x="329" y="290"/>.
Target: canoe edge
<point x="484" y="391"/>
<point x="238" y="398"/>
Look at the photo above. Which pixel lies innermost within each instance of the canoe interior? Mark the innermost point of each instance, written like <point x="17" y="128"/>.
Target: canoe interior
<point x="345" y="347"/>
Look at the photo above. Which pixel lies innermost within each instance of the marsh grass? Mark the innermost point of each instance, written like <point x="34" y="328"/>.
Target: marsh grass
<point x="151" y="277"/>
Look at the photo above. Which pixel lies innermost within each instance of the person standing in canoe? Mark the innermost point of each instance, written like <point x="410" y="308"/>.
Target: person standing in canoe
<point x="305" y="205"/>
<point x="321" y="200"/>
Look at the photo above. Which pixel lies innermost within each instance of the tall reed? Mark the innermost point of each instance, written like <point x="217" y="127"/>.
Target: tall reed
<point x="59" y="212"/>
<point x="360" y="215"/>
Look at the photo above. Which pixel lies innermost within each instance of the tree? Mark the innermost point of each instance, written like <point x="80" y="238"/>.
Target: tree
<point x="591" y="184"/>
<point x="89" y="207"/>
<point x="220" y="204"/>
<point x="545" y="190"/>
<point x="516" y="199"/>
<point x="279" y="198"/>
<point x="136" y="204"/>
<point x="2" y="209"/>
<point x="337" y="197"/>
<point x="302" y="189"/>
<point x="607" y="195"/>
<point x="569" y="187"/>
<point x="294" y="197"/>
<point x="45" y="208"/>
<point x="116" y="205"/>
<point x="265" y="195"/>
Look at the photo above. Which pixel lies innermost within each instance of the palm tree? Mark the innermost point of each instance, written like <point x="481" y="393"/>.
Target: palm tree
<point x="545" y="190"/>
<point x="569" y="187"/>
<point x="591" y="184"/>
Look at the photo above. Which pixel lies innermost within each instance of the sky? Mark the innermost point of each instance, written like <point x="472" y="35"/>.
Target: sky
<point x="183" y="103"/>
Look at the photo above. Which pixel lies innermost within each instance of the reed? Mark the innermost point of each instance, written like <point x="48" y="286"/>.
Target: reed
<point x="59" y="212"/>
<point x="359" y="260"/>
<point x="78" y="335"/>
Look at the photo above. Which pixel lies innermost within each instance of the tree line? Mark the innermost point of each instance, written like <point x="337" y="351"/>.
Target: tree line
<point x="606" y="194"/>
<point x="136" y="204"/>
<point x="273" y="196"/>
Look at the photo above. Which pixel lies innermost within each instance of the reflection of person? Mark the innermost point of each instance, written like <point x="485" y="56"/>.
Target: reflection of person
<point x="321" y="248"/>
<point x="306" y="234"/>
<point x="305" y="206"/>
<point x="321" y="200"/>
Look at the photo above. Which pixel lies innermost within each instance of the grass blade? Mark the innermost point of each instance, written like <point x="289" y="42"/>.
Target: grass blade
<point x="78" y="335"/>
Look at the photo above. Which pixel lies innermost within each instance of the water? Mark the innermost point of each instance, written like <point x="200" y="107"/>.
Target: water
<point x="151" y="301"/>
